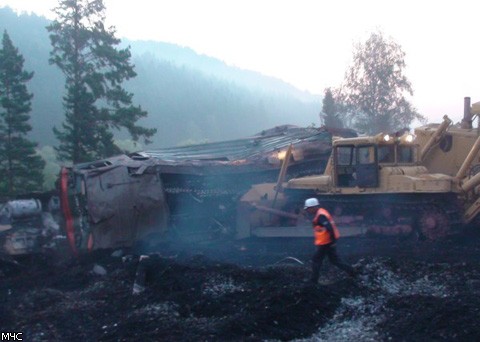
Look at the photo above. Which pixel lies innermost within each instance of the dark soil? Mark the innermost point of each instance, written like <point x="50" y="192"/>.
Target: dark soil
<point x="249" y="291"/>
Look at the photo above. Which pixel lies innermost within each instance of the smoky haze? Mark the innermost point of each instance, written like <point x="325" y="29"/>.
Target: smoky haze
<point x="309" y="43"/>
<point x="185" y="94"/>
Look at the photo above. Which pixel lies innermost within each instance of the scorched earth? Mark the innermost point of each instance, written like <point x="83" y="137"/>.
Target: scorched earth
<point x="249" y="291"/>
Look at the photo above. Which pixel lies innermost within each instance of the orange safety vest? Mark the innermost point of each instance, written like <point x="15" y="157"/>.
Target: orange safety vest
<point x="321" y="234"/>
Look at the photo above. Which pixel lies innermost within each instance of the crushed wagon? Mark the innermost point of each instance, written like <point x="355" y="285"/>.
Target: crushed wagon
<point x="191" y="191"/>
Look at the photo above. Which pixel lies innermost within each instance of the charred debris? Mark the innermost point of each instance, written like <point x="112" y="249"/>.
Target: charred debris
<point x="189" y="191"/>
<point x="30" y="224"/>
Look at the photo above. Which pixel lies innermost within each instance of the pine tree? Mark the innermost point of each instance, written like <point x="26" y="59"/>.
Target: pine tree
<point x="95" y="102"/>
<point x="330" y="114"/>
<point x="21" y="168"/>
<point x="375" y="87"/>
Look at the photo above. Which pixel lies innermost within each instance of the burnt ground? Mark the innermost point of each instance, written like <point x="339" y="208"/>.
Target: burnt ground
<point x="249" y="291"/>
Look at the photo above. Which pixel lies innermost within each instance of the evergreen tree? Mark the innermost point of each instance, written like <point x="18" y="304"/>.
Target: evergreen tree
<point x="95" y="102"/>
<point x="21" y="168"/>
<point x="375" y="87"/>
<point x="330" y="114"/>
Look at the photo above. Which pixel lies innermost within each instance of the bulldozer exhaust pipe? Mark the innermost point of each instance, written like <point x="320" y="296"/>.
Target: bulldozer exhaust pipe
<point x="467" y="114"/>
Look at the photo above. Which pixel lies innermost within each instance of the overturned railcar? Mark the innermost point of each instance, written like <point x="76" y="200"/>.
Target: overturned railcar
<point x="190" y="191"/>
<point x="112" y="203"/>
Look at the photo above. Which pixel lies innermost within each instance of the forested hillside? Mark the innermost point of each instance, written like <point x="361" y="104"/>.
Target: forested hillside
<point x="189" y="97"/>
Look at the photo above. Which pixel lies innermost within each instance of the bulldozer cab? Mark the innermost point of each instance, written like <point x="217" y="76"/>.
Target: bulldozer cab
<point x="357" y="161"/>
<point x="356" y="166"/>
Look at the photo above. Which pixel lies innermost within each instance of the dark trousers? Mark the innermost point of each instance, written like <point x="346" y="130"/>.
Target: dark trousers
<point x="329" y="250"/>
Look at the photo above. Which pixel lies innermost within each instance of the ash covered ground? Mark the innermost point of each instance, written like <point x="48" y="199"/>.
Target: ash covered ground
<point x="249" y="291"/>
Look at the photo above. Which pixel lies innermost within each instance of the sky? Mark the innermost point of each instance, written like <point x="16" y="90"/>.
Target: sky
<point x="309" y="43"/>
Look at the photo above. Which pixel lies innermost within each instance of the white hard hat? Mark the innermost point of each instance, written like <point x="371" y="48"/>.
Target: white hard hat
<point x="311" y="202"/>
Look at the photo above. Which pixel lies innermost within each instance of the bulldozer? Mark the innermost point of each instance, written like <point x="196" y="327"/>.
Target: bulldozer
<point x="424" y="184"/>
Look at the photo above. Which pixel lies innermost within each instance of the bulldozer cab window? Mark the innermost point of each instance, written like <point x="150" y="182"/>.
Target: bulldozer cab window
<point x="366" y="155"/>
<point x="405" y="154"/>
<point x="386" y="154"/>
<point x="366" y="175"/>
<point x="345" y="155"/>
<point x="345" y="165"/>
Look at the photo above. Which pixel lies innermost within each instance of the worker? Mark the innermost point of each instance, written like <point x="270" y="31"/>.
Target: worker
<point x="325" y="236"/>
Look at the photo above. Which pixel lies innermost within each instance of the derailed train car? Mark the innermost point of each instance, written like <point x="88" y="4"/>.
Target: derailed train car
<point x="192" y="190"/>
<point x="112" y="202"/>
